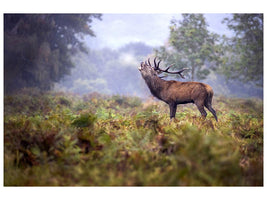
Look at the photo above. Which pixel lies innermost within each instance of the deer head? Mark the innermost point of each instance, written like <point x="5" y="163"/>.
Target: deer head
<point x="146" y="69"/>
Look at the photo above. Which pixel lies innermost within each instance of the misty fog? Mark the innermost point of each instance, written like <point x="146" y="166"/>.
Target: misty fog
<point x="101" y="54"/>
<point x="123" y="41"/>
<point x="116" y="72"/>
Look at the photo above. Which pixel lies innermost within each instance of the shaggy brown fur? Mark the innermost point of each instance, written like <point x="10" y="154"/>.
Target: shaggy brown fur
<point x="176" y="92"/>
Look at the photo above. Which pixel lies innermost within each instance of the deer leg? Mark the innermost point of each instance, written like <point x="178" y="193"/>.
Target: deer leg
<point x="201" y="109"/>
<point x="208" y="106"/>
<point x="173" y="108"/>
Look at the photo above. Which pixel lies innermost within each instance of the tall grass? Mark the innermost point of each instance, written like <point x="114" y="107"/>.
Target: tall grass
<point x="57" y="139"/>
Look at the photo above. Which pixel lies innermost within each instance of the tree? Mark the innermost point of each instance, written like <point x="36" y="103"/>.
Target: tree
<point x="192" y="45"/>
<point x="244" y="51"/>
<point x="37" y="47"/>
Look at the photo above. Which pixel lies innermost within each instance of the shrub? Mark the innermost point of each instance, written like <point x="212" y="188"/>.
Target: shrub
<point x="84" y="120"/>
<point x="118" y="140"/>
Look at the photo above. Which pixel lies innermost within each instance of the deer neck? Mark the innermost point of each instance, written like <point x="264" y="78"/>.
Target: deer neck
<point x="156" y="86"/>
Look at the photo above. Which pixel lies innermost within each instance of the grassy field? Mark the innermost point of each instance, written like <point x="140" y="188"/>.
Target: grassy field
<point x="58" y="139"/>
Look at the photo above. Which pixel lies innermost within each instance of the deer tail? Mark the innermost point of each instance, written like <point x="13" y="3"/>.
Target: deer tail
<point x="208" y="102"/>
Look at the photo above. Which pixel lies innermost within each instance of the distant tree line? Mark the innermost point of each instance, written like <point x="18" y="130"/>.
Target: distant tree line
<point x="107" y="71"/>
<point x="43" y="49"/>
<point x="115" y="72"/>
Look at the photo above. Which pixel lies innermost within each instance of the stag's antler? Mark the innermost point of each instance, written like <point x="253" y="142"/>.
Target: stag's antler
<point x="156" y="67"/>
<point x="149" y="62"/>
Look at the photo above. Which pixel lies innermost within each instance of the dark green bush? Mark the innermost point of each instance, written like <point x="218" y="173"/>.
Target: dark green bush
<point x="84" y="120"/>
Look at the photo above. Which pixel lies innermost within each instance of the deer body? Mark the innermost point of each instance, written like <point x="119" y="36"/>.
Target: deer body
<point x="176" y="92"/>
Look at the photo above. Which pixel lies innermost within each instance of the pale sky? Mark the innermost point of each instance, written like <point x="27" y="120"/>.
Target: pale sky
<point x="116" y="30"/>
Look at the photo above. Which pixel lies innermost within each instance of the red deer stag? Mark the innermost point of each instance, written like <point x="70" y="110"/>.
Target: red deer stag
<point x="176" y="92"/>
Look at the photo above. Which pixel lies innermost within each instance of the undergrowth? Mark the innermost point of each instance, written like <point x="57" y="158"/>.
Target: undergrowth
<point x="59" y="139"/>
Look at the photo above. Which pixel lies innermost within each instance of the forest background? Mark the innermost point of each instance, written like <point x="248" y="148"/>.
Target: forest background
<point x="252" y="89"/>
<point x="59" y="55"/>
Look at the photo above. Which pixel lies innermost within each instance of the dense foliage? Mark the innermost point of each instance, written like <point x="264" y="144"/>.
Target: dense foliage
<point x="192" y="45"/>
<point x="238" y="57"/>
<point x="243" y="58"/>
<point x="55" y="139"/>
<point x="37" y="47"/>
